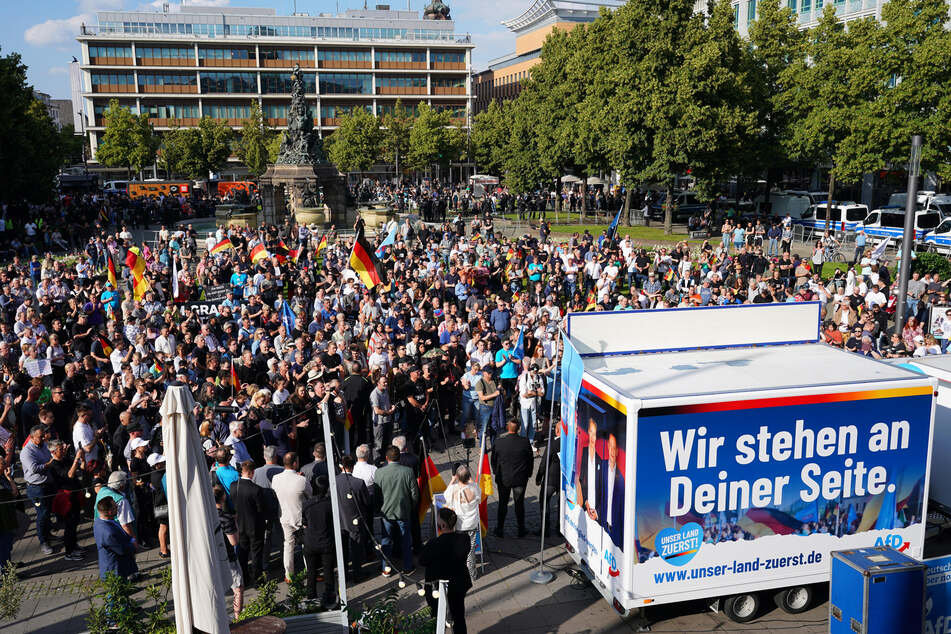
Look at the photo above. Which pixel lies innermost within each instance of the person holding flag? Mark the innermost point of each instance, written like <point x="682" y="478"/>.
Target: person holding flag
<point x="388" y="241"/>
<point x="136" y="263"/>
<point x="364" y="262"/>
<point x="288" y="319"/>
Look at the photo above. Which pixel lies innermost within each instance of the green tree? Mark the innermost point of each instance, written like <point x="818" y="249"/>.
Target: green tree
<point x="128" y="141"/>
<point x="433" y="141"/>
<point x="916" y="99"/>
<point x="355" y="145"/>
<point x="396" y="130"/>
<point x="827" y="93"/>
<point x="31" y="149"/>
<point x="490" y="134"/>
<point x="775" y="43"/>
<point x="197" y="152"/>
<point x="253" y="147"/>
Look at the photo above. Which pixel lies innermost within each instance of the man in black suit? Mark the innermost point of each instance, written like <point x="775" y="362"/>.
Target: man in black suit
<point x="512" y="461"/>
<point x="251" y="513"/>
<point x="589" y="480"/>
<point x="612" y="500"/>
<point x="355" y="515"/>
<point x="548" y="491"/>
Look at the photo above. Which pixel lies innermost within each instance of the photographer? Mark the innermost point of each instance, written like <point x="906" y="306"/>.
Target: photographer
<point x="531" y="388"/>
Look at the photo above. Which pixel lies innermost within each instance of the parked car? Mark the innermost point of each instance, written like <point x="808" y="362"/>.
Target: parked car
<point x="686" y="204"/>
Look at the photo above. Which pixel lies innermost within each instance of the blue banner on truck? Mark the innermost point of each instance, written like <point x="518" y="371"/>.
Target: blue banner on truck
<point x="938" y="602"/>
<point x="743" y="491"/>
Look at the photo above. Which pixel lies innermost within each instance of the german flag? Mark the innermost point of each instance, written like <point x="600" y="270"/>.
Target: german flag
<point x="485" y="485"/>
<point x="258" y="253"/>
<point x="364" y="262"/>
<point x="293" y="255"/>
<point x="669" y="275"/>
<point x="136" y="263"/>
<point x="221" y="247"/>
<point x="430" y="483"/>
<point x="321" y="245"/>
<point x="348" y="422"/>
<point x="111" y="271"/>
<point x="235" y="381"/>
<point x="106" y="348"/>
<point x="592" y="303"/>
<point x="103" y="215"/>
<point x="760" y="522"/>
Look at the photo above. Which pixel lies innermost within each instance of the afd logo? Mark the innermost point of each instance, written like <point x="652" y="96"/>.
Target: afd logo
<point x="612" y="563"/>
<point x="893" y="541"/>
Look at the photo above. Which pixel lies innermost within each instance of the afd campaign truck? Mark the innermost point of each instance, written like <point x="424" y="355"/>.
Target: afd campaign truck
<point x="724" y="452"/>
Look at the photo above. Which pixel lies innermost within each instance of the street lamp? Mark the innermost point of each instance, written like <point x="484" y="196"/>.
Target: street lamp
<point x="908" y="239"/>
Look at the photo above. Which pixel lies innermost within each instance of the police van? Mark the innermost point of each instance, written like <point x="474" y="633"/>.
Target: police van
<point x="889" y="223"/>
<point x="842" y="216"/>
<point x="940" y="239"/>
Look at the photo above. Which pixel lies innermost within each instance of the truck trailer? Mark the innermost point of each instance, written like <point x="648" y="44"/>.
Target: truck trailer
<point x="723" y="453"/>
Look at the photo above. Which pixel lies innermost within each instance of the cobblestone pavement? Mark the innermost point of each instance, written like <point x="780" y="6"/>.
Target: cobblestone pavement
<point x="502" y="600"/>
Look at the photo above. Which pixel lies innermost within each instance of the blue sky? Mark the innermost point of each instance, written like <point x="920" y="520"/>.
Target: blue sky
<point x="43" y="31"/>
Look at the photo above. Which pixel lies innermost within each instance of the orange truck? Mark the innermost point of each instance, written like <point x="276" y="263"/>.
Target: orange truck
<point x="158" y="188"/>
<point x="227" y="187"/>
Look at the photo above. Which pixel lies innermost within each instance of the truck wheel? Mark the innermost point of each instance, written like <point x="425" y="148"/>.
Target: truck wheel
<point x="741" y="608"/>
<point x="795" y="600"/>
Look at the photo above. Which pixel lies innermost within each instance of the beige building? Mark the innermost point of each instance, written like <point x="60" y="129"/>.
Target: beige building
<point x="504" y="76"/>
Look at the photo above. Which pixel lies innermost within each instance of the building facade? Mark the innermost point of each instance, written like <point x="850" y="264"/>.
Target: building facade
<point x="808" y="12"/>
<point x="178" y="67"/>
<point x="504" y="76"/>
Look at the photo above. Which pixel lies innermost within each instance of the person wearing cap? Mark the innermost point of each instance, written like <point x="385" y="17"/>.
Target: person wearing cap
<point x="116" y="547"/>
<point x="115" y="488"/>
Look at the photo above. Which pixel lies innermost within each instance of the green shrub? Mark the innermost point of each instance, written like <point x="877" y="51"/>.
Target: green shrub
<point x="384" y="617"/>
<point x="265" y="604"/>
<point x="11" y="592"/>
<point x="120" y="611"/>
<point x="932" y="263"/>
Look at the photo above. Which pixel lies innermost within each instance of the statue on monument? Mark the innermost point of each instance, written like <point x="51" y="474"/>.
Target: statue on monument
<point x="300" y="145"/>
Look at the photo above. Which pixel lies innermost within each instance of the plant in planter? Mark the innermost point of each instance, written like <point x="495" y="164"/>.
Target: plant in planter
<point x="385" y="617"/>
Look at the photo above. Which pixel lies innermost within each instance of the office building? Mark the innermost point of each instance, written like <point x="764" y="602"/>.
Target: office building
<point x="504" y="76"/>
<point x="808" y="12"/>
<point x="180" y="66"/>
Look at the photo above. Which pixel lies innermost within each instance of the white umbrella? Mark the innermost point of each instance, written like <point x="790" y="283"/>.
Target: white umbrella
<point x="569" y="178"/>
<point x="199" y="560"/>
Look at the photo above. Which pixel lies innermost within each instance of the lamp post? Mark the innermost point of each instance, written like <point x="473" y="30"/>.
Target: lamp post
<point x="908" y="239"/>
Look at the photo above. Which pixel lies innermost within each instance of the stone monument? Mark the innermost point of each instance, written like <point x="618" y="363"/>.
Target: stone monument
<point x="302" y="178"/>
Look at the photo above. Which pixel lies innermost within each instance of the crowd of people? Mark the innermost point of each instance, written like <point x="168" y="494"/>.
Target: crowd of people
<point x="460" y="336"/>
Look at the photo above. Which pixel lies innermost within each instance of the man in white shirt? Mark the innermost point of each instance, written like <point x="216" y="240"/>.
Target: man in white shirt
<point x="875" y="297"/>
<point x="291" y="489"/>
<point x="363" y="469"/>
<point x="165" y="342"/>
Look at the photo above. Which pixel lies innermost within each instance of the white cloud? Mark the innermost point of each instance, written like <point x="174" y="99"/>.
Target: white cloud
<point x="89" y="6"/>
<point x="59" y="33"/>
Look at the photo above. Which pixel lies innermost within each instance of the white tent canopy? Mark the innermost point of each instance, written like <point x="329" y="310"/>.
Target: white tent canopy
<point x="199" y="560"/>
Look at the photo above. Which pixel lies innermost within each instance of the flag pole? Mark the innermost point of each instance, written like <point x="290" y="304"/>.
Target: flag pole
<point x="540" y="575"/>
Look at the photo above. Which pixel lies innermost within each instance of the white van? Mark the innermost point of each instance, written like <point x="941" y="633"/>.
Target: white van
<point x="843" y="216"/>
<point x="889" y="222"/>
<point x="115" y="187"/>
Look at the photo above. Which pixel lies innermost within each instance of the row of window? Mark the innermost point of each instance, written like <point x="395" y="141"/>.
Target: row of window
<point x="449" y="58"/>
<point x="111" y="79"/>
<point x="385" y="81"/>
<point x="165" y="52"/>
<point x="171" y="111"/>
<point x="346" y="84"/>
<point x="110" y="51"/>
<point x="147" y="79"/>
<point x="225" y="53"/>
<point x="447" y="82"/>
<point x="289" y="54"/>
<point x="796" y="6"/>
<point x="227" y="111"/>
<point x="274" y="83"/>
<point x="343" y="55"/>
<point x="212" y="83"/>
<point x="401" y="57"/>
<point x="340" y="110"/>
<point x="254" y="30"/>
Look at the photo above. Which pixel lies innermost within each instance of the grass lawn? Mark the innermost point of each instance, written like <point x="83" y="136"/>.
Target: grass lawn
<point x="567" y="223"/>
